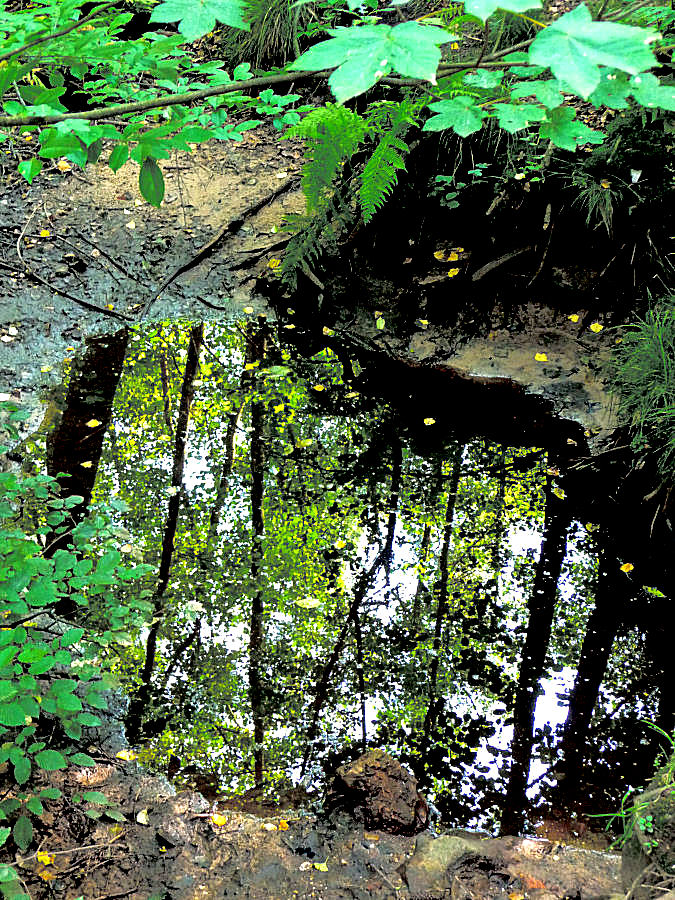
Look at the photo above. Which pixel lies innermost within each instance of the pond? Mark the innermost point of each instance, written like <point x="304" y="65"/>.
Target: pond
<point x="329" y="569"/>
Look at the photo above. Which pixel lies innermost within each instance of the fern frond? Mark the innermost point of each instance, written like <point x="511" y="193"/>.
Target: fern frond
<point x="332" y="135"/>
<point x="380" y="173"/>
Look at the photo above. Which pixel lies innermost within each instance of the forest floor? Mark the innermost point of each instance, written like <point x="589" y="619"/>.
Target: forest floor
<point x="166" y="846"/>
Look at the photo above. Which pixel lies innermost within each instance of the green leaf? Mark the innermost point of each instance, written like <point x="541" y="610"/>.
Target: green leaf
<point x="34" y="806"/>
<point x="71" y="636"/>
<point x="50" y="793"/>
<point x="574" y="47"/>
<point x="81" y="759"/>
<point x="7" y="874"/>
<point x="513" y="118"/>
<point x="460" y="113"/>
<point x="648" y="91"/>
<point x="50" y="760"/>
<point x="22" y="769"/>
<point x="29" y="168"/>
<point x="546" y="92"/>
<point x="11" y="715"/>
<point x="483" y="9"/>
<point x="363" y="54"/>
<point x="562" y="128"/>
<point x="118" y="157"/>
<point x="95" y="797"/>
<point x="42" y="665"/>
<point x="484" y="78"/>
<point x="612" y="90"/>
<point x="151" y="181"/>
<point x="4" y="834"/>
<point x="23" y="832"/>
<point x="88" y="720"/>
<point x="197" y="17"/>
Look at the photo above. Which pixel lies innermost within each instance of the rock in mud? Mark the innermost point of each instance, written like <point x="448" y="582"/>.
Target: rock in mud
<point x="379" y="791"/>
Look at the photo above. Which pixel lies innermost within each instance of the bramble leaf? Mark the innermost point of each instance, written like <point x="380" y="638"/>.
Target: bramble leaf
<point x="197" y="17"/>
<point x="363" y="54"/>
<point x="514" y="117"/>
<point x="460" y="113"/>
<point x="574" y="47"/>
<point x="483" y="9"/>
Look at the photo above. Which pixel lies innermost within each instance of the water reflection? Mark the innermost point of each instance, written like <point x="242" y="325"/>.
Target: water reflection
<point x="332" y="572"/>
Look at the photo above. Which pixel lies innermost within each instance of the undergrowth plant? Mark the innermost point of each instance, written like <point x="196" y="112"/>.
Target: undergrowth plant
<point x="53" y="673"/>
<point x="643" y="380"/>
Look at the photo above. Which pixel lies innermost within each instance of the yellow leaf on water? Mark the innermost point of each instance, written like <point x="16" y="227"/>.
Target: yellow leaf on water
<point x="452" y="257"/>
<point x="92" y="423"/>
<point x="439" y="254"/>
<point x="429" y="421"/>
<point x="452" y="273"/>
<point x="595" y="327"/>
<point x="574" y="317"/>
<point x="219" y="819"/>
<point x="45" y="858"/>
<point x="128" y="755"/>
<point x="87" y="465"/>
<point x="541" y="357"/>
<point x="627" y="567"/>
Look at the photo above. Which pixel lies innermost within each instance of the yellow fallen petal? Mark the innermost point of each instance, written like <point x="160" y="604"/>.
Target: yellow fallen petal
<point x="283" y="825"/>
<point x="219" y="819"/>
<point x="458" y="249"/>
<point x="45" y="858"/>
<point x="452" y="257"/>
<point x="128" y="755"/>
<point x="627" y="567"/>
<point x="541" y="357"/>
<point x="44" y="233"/>
<point x="63" y="165"/>
<point x="452" y="273"/>
<point x="604" y="183"/>
<point x="429" y="421"/>
<point x="274" y="263"/>
<point x="318" y="387"/>
<point x="87" y="465"/>
<point x="574" y="317"/>
<point x="328" y="331"/>
<point x="252" y="365"/>
<point x="439" y="254"/>
<point x="92" y="423"/>
<point x="595" y="327"/>
<point x="321" y="867"/>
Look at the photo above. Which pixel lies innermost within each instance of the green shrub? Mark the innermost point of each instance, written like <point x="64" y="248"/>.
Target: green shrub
<point x="643" y="379"/>
<point x="52" y="673"/>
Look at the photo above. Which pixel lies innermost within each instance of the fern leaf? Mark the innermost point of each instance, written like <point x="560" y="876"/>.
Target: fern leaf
<point x="332" y="134"/>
